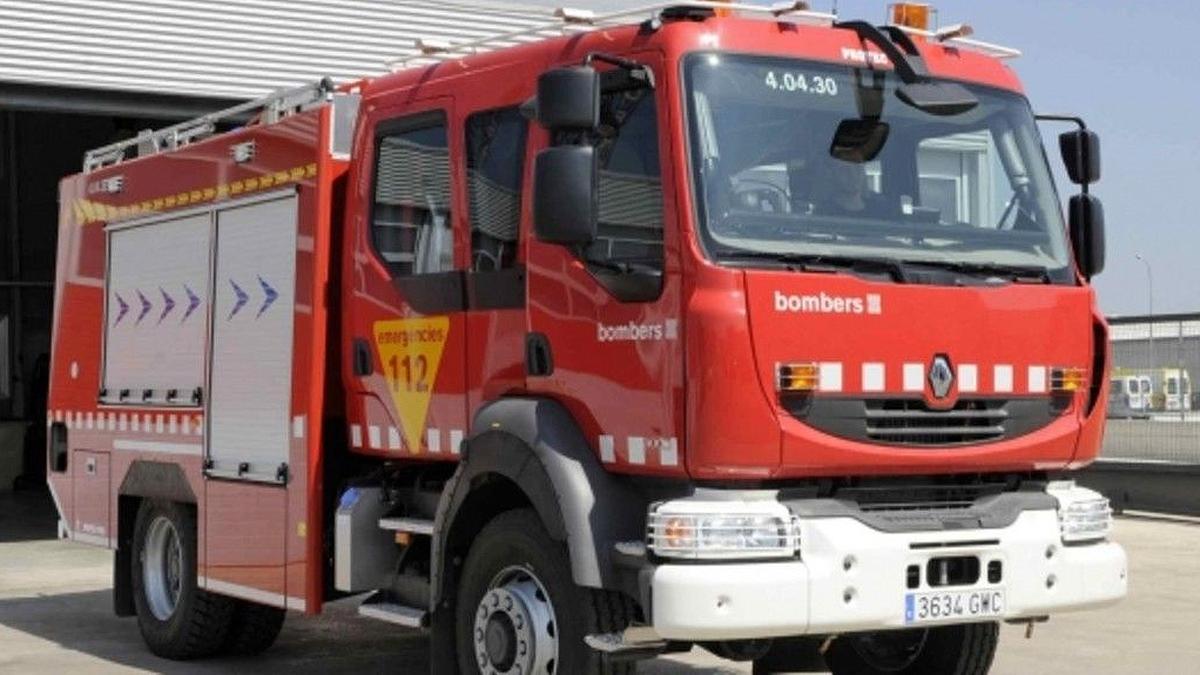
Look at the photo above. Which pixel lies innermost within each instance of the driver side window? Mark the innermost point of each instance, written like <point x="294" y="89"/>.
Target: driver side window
<point x="630" y="230"/>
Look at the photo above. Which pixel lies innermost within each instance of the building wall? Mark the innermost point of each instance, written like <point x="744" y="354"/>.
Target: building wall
<point x="229" y="48"/>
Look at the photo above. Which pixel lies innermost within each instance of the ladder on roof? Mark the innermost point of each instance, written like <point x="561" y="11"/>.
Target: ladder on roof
<point x="475" y="27"/>
<point x="268" y="110"/>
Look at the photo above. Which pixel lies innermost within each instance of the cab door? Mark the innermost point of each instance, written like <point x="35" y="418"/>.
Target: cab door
<point x="405" y="318"/>
<point x="608" y="312"/>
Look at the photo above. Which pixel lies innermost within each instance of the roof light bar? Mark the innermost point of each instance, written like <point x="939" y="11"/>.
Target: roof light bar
<point x="911" y="14"/>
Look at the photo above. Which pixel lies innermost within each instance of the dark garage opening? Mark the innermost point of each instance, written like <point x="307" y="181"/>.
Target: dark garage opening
<point x="43" y="135"/>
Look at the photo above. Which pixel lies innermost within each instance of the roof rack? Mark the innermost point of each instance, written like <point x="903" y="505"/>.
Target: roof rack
<point x="993" y="50"/>
<point x="567" y="20"/>
<point x="268" y="109"/>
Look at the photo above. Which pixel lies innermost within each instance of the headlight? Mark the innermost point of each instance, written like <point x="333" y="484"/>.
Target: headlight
<point x="699" y="529"/>
<point x="1083" y="514"/>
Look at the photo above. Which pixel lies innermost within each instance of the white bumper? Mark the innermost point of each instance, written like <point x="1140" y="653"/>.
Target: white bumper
<point x="853" y="578"/>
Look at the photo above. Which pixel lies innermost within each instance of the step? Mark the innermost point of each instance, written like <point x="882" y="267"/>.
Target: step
<point x="413" y="525"/>
<point x="632" y="644"/>
<point x="374" y="607"/>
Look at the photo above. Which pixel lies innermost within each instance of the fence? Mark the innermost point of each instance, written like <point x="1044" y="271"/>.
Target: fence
<point x="1151" y="455"/>
<point x="1154" y="402"/>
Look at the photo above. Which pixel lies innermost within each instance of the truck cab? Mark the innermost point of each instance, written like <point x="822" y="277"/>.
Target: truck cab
<point x="805" y="295"/>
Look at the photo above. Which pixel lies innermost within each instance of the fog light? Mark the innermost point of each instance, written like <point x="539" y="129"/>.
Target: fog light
<point x="1083" y="514"/>
<point x="697" y="529"/>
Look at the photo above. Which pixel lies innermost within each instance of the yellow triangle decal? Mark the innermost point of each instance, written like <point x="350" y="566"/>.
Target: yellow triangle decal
<point x="411" y="350"/>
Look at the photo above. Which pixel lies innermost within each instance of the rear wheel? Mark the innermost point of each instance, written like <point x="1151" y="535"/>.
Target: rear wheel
<point x="177" y="620"/>
<point x="519" y="610"/>
<point x="966" y="649"/>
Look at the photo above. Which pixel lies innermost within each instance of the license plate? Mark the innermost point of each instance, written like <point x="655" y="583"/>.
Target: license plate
<point x="940" y="606"/>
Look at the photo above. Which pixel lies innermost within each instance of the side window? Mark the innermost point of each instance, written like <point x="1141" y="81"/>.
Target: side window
<point x="630" y="231"/>
<point x="495" y="165"/>
<point x="410" y="222"/>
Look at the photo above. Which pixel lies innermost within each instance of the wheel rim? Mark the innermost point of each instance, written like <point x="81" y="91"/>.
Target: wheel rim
<point x="890" y="651"/>
<point x="516" y="629"/>
<point x="162" y="568"/>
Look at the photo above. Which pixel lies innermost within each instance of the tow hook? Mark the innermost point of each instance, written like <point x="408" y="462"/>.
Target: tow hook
<point x="1029" y="623"/>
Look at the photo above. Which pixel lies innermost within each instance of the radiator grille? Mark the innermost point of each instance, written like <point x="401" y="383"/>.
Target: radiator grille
<point x="911" y="422"/>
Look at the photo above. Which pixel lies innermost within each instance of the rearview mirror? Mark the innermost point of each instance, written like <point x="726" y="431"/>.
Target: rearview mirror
<point x="565" y="195"/>
<point x="1086" y="216"/>
<point x="1081" y="154"/>
<point x="937" y="98"/>
<point x="859" y="140"/>
<point x="569" y="98"/>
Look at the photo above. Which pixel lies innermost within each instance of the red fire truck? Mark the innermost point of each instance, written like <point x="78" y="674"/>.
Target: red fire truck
<point x="703" y="324"/>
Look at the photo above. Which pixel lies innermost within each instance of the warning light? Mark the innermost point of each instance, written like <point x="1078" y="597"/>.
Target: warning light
<point x="792" y="377"/>
<point x="1063" y="380"/>
<point x="911" y="14"/>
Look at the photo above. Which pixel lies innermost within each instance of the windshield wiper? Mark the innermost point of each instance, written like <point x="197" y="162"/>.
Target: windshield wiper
<point x="1022" y="274"/>
<point x="824" y="263"/>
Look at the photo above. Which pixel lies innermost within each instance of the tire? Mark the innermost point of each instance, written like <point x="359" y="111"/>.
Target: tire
<point x="514" y="559"/>
<point x="965" y="649"/>
<point x="177" y="620"/>
<point x="253" y="628"/>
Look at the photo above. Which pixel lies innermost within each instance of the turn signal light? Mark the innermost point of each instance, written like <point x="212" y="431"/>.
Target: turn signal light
<point x="911" y="15"/>
<point x="677" y="531"/>
<point x="1068" y="379"/>
<point x="797" y="376"/>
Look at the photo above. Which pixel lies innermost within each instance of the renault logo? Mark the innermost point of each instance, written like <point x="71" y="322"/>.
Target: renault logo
<point x="941" y="376"/>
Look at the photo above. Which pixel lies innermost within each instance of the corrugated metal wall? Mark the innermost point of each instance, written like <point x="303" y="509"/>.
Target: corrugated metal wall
<point x="228" y="48"/>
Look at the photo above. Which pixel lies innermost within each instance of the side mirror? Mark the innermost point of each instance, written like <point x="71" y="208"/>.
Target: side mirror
<point x="569" y="98"/>
<point x="1081" y="153"/>
<point x="566" y="207"/>
<point x="1087" y="233"/>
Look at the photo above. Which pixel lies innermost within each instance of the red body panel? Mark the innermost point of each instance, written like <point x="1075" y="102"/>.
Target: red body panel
<point x="251" y="536"/>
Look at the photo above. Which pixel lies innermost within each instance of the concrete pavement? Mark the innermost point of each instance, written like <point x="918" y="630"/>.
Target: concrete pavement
<point x="56" y="617"/>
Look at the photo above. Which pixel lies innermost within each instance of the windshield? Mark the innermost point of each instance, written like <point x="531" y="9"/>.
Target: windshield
<point x="797" y="158"/>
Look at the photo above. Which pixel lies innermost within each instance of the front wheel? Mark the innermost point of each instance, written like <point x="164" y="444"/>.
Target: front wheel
<point x="519" y="610"/>
<point x="966" y="649"/>
<point x="253" y="628"/>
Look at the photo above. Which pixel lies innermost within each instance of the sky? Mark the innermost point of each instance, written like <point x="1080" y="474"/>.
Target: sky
<point x="1125" y="68"/>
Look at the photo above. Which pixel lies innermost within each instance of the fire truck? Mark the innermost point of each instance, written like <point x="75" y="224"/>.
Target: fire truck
<point x="738" y="326"/>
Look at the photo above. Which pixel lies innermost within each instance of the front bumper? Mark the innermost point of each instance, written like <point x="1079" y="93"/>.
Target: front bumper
<point x="851" y="577"/>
